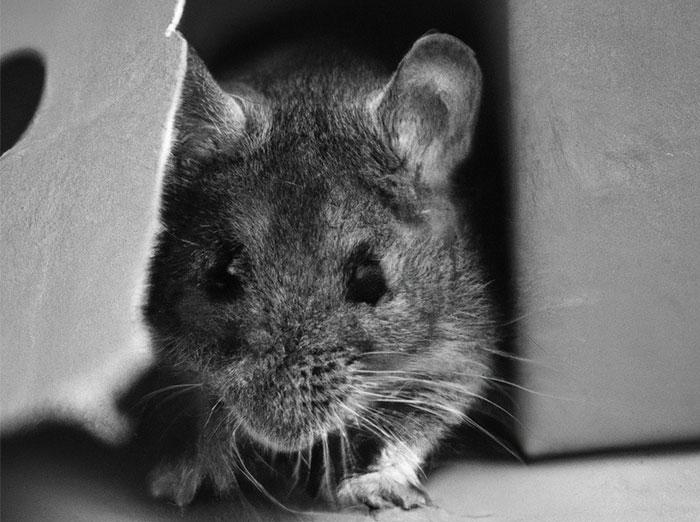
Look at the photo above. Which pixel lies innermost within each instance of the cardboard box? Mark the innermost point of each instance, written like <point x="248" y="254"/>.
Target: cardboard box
<point x="79" y="206"/>
<point x="602" y="104"/>
<point x="603" y="109"/>
<point x="605" y="150"/>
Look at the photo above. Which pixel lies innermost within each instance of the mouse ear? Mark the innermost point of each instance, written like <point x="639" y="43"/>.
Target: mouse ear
<point x="428" y="109"/>
<point x="208" y="119"/>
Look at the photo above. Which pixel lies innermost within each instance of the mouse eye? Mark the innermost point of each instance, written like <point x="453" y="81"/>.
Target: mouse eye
<point x="366" y="283"/>
<point x="222" y="280"/>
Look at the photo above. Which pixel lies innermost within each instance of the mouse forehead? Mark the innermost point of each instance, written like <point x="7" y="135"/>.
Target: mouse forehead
<point x="306" y="188"/>
<point x="311" y="219"/>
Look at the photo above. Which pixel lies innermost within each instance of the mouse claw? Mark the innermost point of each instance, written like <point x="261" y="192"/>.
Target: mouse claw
<point x="378" y="490"/>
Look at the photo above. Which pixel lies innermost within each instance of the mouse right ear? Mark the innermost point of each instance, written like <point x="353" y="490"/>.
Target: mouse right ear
<point x="208" y="120"/>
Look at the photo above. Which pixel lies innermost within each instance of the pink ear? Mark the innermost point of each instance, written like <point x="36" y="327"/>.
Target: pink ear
<point x="430" y="105"/>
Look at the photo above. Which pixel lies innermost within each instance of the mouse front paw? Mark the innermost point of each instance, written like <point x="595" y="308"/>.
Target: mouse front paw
<point x="382" y="489"/>
<point x="177" y="482"/>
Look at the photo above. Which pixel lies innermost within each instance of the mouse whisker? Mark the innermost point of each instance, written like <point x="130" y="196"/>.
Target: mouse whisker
<point x="211" y="411"/>
<point x="346" y="453"/>
<point x="429" y="409"/>
<point x="487" y="378"/>
<point x="428" y="405"/>
<point x="369" y="424"/>
<point x="185" y="241"/>
<point x="327" y="466"/>
<point x="507" y="355"/>
<point x="255" y="482"/>
<point x="382" y="352"/>
<point x="497" y="440"/>
<point x="448" y="385"/>
<point x="296" y="472"/>
<point x="181" y="388"/>
<point x="524" y="388"/>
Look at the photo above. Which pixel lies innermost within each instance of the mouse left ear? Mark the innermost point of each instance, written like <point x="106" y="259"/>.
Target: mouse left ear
<point x="429" y="107"/>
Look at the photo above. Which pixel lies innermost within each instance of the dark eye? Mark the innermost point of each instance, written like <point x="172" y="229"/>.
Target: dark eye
<point x="366" y="283"/>
<point x="222" y="280"/>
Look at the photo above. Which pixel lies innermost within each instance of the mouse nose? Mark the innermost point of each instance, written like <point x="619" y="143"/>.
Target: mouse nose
<point x="300" y="322"/>
<point x="293" y="340"/>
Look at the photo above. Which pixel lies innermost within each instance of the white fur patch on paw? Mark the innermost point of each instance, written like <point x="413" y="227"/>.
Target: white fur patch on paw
<point x="175" y="482"/>
<point x="378" y="489"/>
<point x="392" y="481"/>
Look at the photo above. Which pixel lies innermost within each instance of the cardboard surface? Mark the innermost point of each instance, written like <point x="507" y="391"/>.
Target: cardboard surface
<point x="605" y="152"/>
<point x="55" y="482"/>
<point x="80" y="192"/>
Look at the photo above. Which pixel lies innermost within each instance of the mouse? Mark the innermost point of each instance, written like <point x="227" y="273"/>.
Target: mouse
<point x="315" y="273"/>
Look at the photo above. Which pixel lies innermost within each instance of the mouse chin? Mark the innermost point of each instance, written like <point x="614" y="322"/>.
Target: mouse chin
<point x="286" y="438"/>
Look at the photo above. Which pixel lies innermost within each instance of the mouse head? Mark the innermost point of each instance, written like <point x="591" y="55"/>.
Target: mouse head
<point x="310" y="239"/>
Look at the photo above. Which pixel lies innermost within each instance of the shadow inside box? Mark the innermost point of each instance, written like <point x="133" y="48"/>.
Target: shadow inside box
<point x="59" y="472"/>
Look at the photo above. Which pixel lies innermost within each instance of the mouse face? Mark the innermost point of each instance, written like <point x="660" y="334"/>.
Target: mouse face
<point x="313" y="268"/>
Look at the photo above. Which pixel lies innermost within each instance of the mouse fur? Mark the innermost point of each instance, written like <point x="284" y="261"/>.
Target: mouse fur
<point x="315" y="272"/>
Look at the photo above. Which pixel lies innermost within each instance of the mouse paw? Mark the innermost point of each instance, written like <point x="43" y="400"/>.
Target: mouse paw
<point x="177" y="482"/>
<point x="382" y="489"/>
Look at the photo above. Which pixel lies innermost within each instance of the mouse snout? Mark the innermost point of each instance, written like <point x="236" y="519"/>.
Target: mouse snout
<point x="299" y="382"/>
<point x="295" y="397"/>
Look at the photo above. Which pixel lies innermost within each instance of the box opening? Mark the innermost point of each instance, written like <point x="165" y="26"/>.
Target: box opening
<point x="225" y="32"/>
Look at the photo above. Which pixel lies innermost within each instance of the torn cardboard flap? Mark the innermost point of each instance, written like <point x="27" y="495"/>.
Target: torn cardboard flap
<point x="79" y="207"/>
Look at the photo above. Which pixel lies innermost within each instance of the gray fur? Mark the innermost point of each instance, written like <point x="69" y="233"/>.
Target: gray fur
<point x="281" y="191"/>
